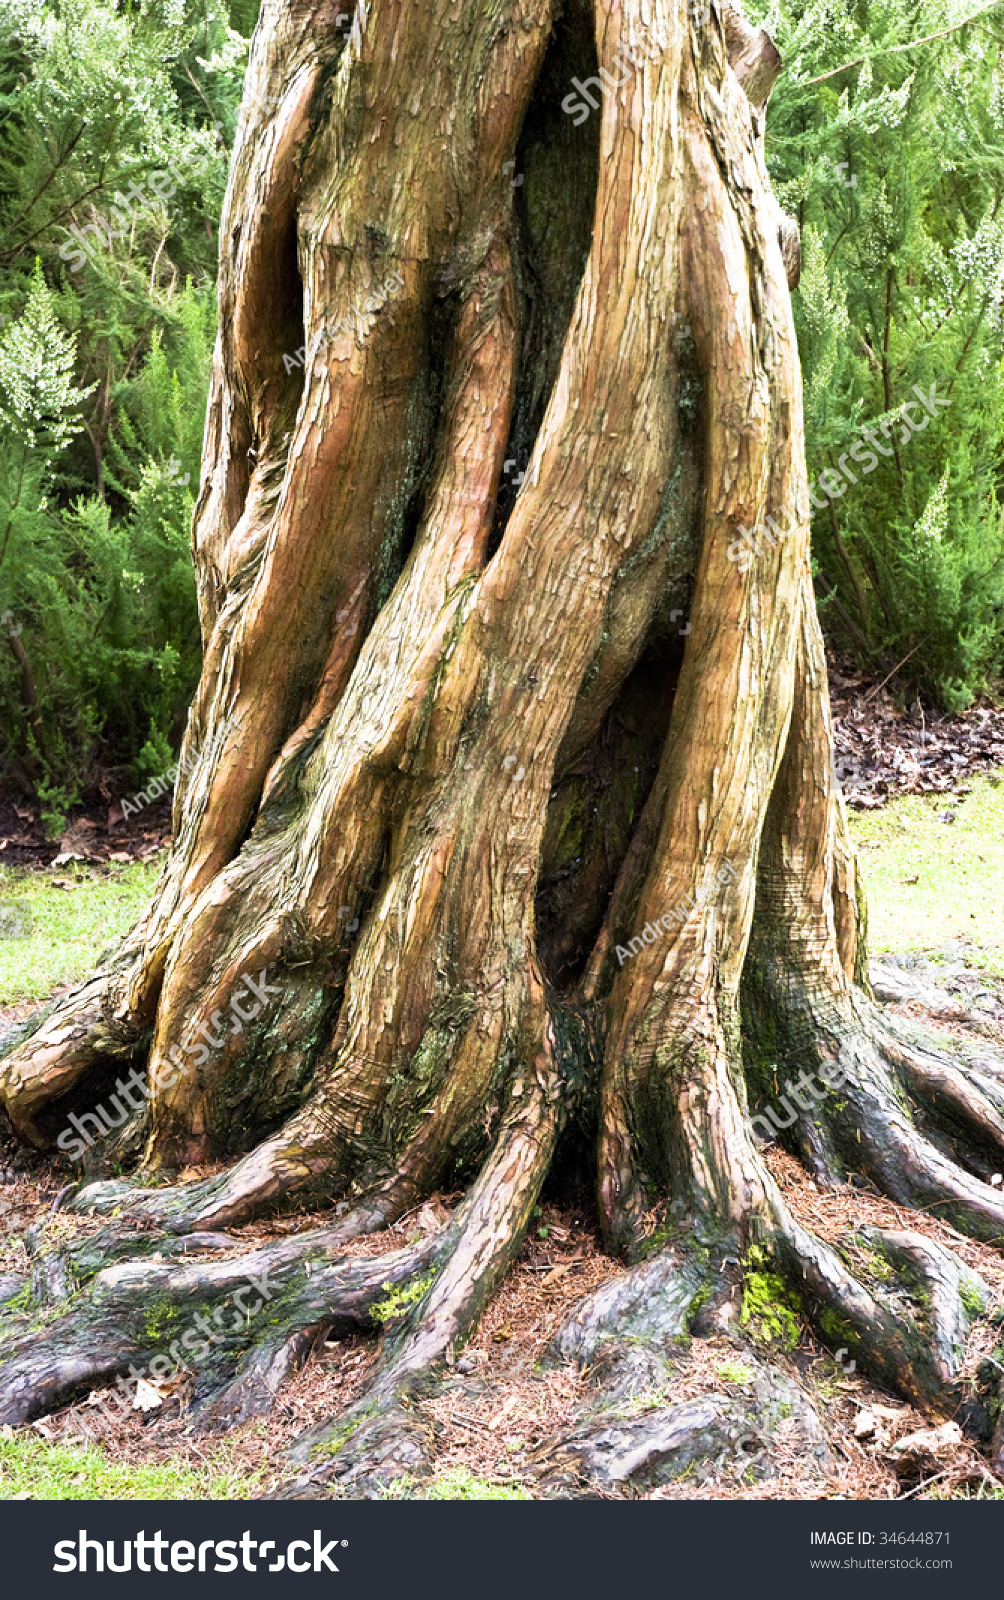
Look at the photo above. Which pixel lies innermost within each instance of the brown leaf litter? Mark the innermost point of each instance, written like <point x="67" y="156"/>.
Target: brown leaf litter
<point x="883" y="749"/>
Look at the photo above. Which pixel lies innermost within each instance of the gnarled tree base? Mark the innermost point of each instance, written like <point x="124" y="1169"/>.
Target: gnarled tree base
<point x="476" y="841"/>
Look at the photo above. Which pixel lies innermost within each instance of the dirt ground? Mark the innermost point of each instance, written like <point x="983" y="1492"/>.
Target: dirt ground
<point x="512" y="1408"/>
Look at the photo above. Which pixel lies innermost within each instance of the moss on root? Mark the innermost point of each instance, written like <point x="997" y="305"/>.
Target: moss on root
<point x="399" y="1299"/>
<point x="769" y="1306"/>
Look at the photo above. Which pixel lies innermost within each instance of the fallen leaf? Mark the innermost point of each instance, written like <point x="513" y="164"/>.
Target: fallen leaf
<point x="121" y="855"/>
<point x="927" y="1444"/>
<point x="62" y="883"/>
<point x="146" y="1396"/>
<point x="560" y="1270"/>
<point x="432" y="1216"/>
<point x="497" y="1420"/>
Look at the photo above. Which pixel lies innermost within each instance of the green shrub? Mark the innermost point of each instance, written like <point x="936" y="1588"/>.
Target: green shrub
<point x="892" y="170"/>
<point x="105" y="357"/>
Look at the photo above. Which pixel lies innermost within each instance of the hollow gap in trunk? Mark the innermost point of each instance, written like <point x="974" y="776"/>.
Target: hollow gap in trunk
<point x="593" y="812"/>
<point x="550" y="243"/>
<point x="289" y="298"/>
<point x="109" y="1123"/>
<point x="570" y="1185"/>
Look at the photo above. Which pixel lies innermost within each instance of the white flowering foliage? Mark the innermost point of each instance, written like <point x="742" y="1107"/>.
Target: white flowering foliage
<point x="38" y="398"/>
<point x="996" y="107"/>
<point x="980" y="259"/>
<point x="929" y="529"/>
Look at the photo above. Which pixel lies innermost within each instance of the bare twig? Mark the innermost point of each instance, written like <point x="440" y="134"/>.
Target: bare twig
<point x="927" y="1483"/>
<point x="895" y="669"/>
<point x="896" y="49"/>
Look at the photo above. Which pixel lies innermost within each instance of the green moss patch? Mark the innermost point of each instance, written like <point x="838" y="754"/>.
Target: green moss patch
<point x="769" y="1306"/>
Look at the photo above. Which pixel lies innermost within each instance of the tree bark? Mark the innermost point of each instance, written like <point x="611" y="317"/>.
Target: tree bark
<point x="471" y="836"/>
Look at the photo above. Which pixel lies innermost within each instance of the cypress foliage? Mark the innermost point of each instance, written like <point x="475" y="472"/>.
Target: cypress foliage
<point x="115" y="127"/>
<point x="895" y="168"/>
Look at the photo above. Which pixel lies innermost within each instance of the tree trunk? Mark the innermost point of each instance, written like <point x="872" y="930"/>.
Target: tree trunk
<point x="507" y="796"/>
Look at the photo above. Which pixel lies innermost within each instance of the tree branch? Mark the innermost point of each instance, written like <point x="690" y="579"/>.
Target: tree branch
<point x="753" y="56"/>
<point x="896" y="49"/>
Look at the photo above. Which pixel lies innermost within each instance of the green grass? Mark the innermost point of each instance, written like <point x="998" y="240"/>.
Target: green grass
<point x="460" y="1484"/>
<point x="70" y="927"/>
<point x="44" y="1471"/>
<point x="986" y="1491"/>
<point x="959" y="867"/>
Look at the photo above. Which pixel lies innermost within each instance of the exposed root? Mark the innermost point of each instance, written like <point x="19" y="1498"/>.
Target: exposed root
<point x="380" y="1438"/>
<point x="617" y="1444"/>
<point x="43" y="1063"/>
<point x="910" y="1332"/>
<point x="652" y="1303"/>
<point x="155" y="1318"/>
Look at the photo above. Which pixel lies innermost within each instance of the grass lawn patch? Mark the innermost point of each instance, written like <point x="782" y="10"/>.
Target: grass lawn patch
<point x="69" y="927"/>
<point x="460" y="1484"/>
<point x="933" y="882"/>
<point x="43" y="1471"/>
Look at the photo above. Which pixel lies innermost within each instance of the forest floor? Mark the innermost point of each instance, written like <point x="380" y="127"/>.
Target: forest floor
<point x="932" y="851"/>
<point x="496" y="1421"/>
